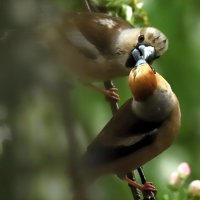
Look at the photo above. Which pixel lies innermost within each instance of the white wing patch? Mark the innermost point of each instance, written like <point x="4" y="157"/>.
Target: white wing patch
<point x="106" y="22"/>
<point x="132" y="140"/>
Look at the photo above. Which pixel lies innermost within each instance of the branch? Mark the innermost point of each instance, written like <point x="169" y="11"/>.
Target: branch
<point x="148" y="195"/>
<point x="114" y="108"/>
<point x="90" y="6"/>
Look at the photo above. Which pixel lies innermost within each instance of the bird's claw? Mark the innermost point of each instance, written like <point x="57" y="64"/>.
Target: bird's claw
<point x="112" y="94"/>
<point x="149" y="186"/>
<point x="149" y="191"/>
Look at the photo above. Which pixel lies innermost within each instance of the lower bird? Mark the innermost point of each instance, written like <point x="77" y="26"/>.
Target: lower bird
<point x="146" y="125"/>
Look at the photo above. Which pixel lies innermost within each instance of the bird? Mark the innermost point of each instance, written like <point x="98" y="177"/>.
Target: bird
<point x="96" y="47"/>
<point x="143" y="127"/>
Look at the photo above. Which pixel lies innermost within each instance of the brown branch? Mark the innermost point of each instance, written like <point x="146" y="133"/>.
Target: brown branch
<point x="113" y="104"/>
<point x="135" y="191"/>
<point x="114" y="108"/>
<point x="148" y="195"/>
<point x="88" y="5"/>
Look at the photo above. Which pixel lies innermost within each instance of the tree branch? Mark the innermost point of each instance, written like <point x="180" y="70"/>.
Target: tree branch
<point x="114" y="108"/>
<point x="148" y="195"/>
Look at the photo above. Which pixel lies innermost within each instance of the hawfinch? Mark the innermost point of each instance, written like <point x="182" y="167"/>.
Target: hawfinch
<point x="146" y="125"/>
<point x="97" y="47"/>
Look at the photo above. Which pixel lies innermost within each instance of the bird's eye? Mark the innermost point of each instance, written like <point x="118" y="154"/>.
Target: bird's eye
<point x="141" y="39"/>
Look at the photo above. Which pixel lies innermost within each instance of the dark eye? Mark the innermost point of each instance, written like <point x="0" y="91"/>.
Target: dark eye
<point x="141" y="39"/>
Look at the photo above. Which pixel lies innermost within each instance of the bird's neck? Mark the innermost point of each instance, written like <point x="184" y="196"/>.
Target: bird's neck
<point x="142" y="82"/>
<point x="153" y="98"/>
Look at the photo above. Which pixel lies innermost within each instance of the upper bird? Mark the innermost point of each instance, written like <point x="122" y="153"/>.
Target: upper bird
<point x="142" y="128"/>
<point x="97" y="47"/>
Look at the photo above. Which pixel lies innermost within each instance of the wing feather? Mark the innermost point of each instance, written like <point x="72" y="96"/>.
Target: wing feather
<point x="121" y="136"/>
<point x="78" y="40"/>
<point x="104" y="26"/>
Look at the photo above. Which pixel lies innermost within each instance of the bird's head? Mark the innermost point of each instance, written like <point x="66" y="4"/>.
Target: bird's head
<point x="152" y="38"/>
<point x="142" y="79"/>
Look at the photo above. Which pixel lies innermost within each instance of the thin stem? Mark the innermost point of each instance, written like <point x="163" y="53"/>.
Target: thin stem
<point x="114" y="108"/>
<point x="135" y="191"/>
<point x="147" y="194"/>
<point x="88" y="5"/>
<point x="113" y="104"/>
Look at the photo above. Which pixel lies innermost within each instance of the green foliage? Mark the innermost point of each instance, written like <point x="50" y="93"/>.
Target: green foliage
<point x="130" y="10"/>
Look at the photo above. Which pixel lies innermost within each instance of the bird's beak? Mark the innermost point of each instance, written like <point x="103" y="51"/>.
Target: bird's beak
<point x="148" y="52"/>
<point x="143" y="53"/>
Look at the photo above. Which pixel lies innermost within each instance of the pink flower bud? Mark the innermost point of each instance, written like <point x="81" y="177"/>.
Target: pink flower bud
<point x="194" y="188"/>
<point x="183" y="170"/>
<point x="174" y="180"/>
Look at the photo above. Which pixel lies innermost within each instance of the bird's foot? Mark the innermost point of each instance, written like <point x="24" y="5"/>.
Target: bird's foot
<point x="112" y="94"/>
<point x="148" y="186"/>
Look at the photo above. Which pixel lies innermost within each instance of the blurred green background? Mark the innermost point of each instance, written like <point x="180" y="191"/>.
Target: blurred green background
<point x="46" y="121"/>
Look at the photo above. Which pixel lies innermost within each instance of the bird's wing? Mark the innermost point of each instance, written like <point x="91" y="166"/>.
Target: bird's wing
<point x="123" y="134"/>
<point x="93" y="32"/>
<point x="78" y="40"/>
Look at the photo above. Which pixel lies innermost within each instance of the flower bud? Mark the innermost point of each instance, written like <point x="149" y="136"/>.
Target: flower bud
<point x="194" y="188"/>
<point x="174" y="180"/>
<point x="183" y="170"/>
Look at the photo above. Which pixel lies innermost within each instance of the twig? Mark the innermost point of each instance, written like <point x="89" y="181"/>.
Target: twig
<point x="88" y="5"/>
<point x="113" y="104"/>
<point x="135" y="191"/>
<point x="148" y="195"/>
<point x="114" y="108"/>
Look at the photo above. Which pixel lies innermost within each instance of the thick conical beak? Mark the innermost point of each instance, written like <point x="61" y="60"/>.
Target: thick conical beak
<point x="139" y="59"/>
<point x="141" y="52"/>
<point x="142" y="55"/>
<point x="148" y="52"/>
